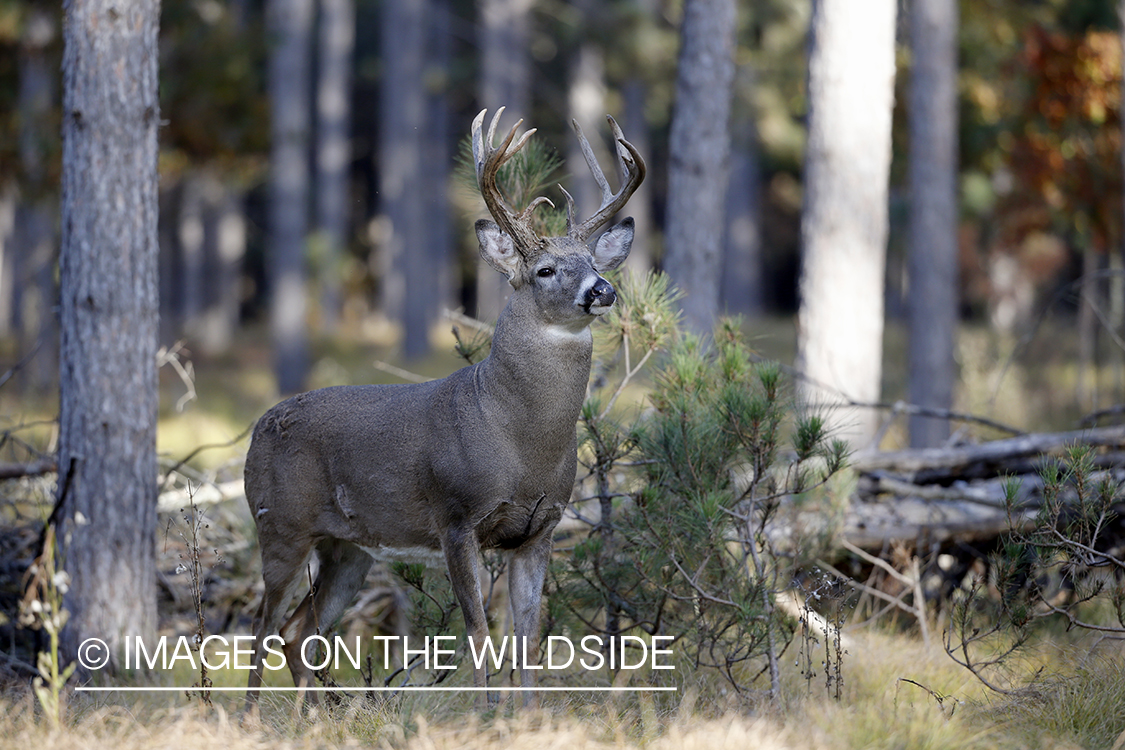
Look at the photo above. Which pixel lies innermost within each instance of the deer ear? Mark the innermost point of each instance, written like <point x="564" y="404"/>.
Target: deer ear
<point x="498" y="249"/>
<point x="613" y="246"/>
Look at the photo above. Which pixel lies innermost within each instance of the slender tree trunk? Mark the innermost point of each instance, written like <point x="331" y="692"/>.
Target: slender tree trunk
<point x="35" y="239"/>
<point x="742" y="287"/>
<point x="634" y="121"/>
<point x="933" y="298"/>
<point x="1086" y="390"/>
<point x="699" y="149"/>
<point x="8" y="264"/>
<point x="290" y="24"/>
<point x="222" y="235"/>
<point x="108" y="389"/>
<point x="437" y="153"/>
<point x="402" y="178"/>
<point x="505" y="81"/>
<point x="844" y="222"/>
<point x="586" y="103"/>
<point x="1119" y="283"/>
<point x="333" y="151"/>
<point x="191" y="241"/>
<point x="641" y="258"/>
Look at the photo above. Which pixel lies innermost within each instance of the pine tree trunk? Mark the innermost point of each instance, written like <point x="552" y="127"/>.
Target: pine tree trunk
<point x="437" y="158"/>
<point x="742" y="287"/>
<point x="933" y="219"/>
<point x="699" y="148"/>
<point x="34" y="243"/>
<point x="844" y="222"/>
<point x="405" y="265"/>
<point x="333" y="151"/>
<point x="742" y="241"/>
<point x="108" y="311"/>
<point x="290" y="24"/>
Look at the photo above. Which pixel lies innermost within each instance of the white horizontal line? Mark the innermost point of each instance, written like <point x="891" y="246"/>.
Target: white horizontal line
<point x="407" y="688"/>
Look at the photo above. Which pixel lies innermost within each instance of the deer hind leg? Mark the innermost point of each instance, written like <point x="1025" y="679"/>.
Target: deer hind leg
<point x="526" y="572"/>
<point x="283" y="566"/>
<point x="343" y="569"/>
<point x="461" y="553"/>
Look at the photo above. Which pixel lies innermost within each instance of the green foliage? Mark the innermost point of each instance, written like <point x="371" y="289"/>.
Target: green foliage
<point x="432" y="603"/>
<point x="433" y="611"/>
<point x="527" y="175"/>
<point x="1058" y="564"/>
<point x="685" y="553"/>
<point x="645" y="319"/>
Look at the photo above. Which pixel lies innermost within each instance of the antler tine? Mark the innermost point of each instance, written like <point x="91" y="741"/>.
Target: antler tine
<point x="632" y="172"/>
<point x="488" y="161"/>
<point x="623" y="156"/>
<point x="569" y="211"/>
<point x="592" y="163"/>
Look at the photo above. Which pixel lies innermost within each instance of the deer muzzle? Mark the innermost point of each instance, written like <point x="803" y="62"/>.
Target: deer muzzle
<point x="599" y="297"/>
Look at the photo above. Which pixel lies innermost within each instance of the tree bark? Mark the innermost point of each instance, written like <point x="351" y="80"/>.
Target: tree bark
<point x="933" y="297"/>
<point x="844" y="221"/>
<point x="699" y="148"/>
<point x="333" y="151"/>
<point x="290" y="24"/>
<point x="108" y="308"/>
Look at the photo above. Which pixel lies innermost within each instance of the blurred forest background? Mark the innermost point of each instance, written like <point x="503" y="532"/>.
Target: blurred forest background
<point x="357" y="109"/>
<point x="918" y="204"/>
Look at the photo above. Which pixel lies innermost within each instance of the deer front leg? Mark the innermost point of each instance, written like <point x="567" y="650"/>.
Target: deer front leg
<point x="462" y="551"/>
<point x="527" y="571"/>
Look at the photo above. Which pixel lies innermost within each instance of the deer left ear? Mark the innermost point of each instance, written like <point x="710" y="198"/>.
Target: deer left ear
<point x="498" y="249"/>
<point x="613" y="246"/>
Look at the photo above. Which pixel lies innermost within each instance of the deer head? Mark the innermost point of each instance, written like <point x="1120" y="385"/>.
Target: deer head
<point x="513" y="247"/>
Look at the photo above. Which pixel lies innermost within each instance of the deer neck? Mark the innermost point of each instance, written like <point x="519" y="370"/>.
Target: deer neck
<point x="537" y="367"/>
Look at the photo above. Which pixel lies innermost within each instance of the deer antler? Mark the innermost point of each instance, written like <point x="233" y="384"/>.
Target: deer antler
<point x="631" y="169"/>
<point x="488" y="160"/>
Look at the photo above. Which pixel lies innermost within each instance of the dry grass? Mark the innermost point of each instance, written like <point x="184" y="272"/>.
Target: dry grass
<point x="947" y="708"/>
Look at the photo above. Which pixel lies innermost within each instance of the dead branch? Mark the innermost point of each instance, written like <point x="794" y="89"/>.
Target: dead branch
<point x="32" y="469"/>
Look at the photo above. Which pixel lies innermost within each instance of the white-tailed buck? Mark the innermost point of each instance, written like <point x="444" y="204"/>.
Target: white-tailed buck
<point x="482" y="459"/>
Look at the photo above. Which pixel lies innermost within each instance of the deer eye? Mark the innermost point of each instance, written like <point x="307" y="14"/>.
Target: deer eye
<point x="546" y="272"/>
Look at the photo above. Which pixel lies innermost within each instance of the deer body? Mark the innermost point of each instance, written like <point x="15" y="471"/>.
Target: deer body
<point x="482" y="459"/>
<point x="398" y="466"/>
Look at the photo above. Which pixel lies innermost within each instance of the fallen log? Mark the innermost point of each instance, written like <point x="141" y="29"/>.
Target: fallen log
<point x="984" y="460"/>
<point x="958" y="494"/>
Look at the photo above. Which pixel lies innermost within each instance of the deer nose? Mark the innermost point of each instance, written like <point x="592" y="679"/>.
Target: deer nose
<point x="601" y="294"/>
